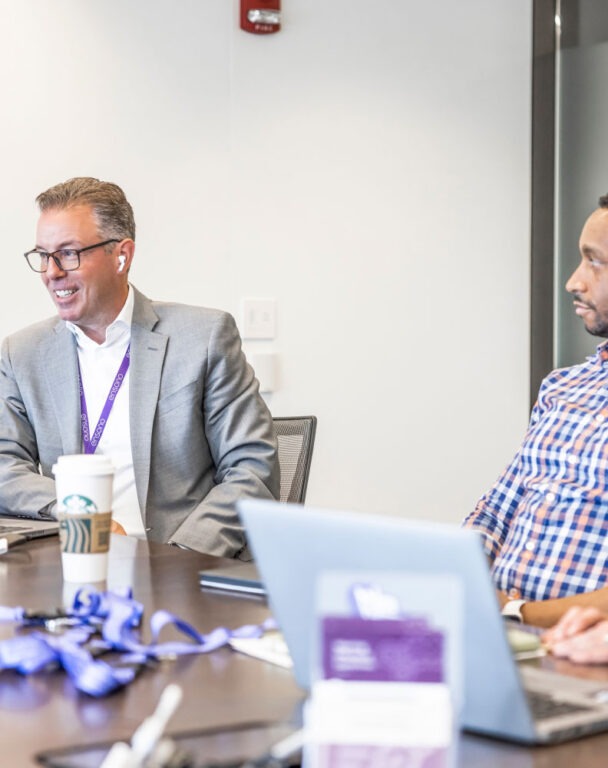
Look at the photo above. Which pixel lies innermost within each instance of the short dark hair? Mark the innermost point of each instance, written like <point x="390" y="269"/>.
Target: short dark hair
<point x="110" y="206"/>
<point x="604" y="201"/>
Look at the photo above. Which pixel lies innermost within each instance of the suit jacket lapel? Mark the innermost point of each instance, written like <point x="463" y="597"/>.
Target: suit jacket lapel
<point x="147" y="357"/>
<point x="60" y="366"/>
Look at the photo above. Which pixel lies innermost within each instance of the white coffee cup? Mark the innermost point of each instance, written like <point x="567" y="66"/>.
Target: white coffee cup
<point x="83" y="483"/>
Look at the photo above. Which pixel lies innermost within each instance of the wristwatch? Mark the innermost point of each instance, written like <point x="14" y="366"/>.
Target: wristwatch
<point x="512" y="610"/>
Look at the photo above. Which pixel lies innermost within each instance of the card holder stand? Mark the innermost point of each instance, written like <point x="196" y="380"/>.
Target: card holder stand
<point x="384" y="689"/>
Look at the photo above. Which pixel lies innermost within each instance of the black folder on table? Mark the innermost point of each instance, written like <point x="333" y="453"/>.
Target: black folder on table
<point x="237" y="577"/>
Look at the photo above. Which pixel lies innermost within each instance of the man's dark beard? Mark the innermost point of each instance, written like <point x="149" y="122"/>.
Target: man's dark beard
<point x="599" y="328"/>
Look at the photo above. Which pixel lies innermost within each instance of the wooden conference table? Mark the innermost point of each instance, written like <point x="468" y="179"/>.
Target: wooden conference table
<point x="44" y="711"/>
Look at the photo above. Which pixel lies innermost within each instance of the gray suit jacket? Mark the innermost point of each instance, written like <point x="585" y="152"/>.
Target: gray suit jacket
<point x="201" y="435"/>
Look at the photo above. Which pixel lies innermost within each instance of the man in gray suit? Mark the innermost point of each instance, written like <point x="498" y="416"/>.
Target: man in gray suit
<point x="163" y="389"/>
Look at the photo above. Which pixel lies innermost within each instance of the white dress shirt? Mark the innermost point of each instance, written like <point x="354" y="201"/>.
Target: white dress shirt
<point x="99" y="364"/>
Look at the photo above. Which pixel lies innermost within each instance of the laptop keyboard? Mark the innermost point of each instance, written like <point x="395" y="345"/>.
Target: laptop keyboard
<point x="543" y="705"/>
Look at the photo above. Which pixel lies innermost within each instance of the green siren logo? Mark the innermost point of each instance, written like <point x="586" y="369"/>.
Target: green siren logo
<point x="79" y="505"/>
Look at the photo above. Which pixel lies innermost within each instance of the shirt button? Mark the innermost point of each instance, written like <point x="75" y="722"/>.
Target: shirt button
<point x="550" y="496"/>
<point x="599" y="418"/>
<point x="572" y="459"/>
<point x="514" y="594"/>
<point x="529" y="545"/>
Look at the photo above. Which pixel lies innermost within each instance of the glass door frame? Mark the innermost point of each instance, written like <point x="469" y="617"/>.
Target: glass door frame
<point x="543" y="181"/>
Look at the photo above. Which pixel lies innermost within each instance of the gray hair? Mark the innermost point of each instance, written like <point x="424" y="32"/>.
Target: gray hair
<point x="111" y="208"/>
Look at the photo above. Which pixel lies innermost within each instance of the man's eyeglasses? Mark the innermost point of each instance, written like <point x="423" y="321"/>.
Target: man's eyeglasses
<point x="66" y="259"/>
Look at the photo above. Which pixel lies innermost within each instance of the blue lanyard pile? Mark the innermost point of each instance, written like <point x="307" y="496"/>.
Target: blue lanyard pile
<point x="99" y="623"/>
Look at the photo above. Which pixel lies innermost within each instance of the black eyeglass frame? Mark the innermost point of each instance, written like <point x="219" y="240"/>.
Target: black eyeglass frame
<point x="57" y="259"/>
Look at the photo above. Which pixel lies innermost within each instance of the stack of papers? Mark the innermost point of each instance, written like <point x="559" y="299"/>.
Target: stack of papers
<point x="270" y="647"/>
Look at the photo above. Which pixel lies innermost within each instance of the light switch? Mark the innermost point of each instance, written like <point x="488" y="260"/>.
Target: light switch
<point x="259" y="318"/>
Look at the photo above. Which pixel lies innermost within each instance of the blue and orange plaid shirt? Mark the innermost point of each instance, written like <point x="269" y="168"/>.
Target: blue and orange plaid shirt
<point x="545" y="520"/>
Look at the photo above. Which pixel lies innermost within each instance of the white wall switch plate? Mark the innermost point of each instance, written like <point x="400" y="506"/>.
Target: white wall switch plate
<point x="259" y="318"/>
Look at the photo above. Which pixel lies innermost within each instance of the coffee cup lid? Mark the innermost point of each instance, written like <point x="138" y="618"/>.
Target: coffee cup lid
<point x="83" y="463"/>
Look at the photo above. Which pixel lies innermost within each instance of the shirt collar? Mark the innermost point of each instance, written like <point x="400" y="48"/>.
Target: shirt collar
<point x="119" y="329"/>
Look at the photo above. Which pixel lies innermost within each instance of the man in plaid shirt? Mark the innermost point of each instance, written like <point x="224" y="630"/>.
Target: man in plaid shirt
<point x="545" y="521"/>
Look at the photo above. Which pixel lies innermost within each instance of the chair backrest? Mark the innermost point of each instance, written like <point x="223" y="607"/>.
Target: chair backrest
<point x="296" y="436"/>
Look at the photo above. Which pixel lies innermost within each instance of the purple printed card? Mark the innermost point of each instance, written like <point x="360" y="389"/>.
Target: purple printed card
<point x="363" y="756"/>
<point x="399" y="650"/>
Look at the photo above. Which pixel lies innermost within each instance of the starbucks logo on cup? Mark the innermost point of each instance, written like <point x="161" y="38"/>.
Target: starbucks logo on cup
<point x="76" y="504"/>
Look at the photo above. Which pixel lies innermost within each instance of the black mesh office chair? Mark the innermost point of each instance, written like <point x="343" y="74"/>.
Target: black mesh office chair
<point x="296" y="436"/>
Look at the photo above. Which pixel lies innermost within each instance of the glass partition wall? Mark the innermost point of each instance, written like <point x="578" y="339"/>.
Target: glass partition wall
<point x="569" y="168"/>
<point x="581" y="153"/>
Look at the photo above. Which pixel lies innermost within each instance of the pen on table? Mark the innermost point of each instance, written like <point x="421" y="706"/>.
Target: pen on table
<point x="276" y="756"/>
<point x="147" y="735"/>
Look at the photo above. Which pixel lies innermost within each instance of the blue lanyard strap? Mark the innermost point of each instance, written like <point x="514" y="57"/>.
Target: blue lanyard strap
<point x="99" y="623"/>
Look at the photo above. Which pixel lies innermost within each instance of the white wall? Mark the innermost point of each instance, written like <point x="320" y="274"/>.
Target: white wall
<point x="368" y="167"/>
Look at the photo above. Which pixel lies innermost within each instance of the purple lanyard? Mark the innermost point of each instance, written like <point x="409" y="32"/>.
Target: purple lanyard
<point x="91" y="442"/>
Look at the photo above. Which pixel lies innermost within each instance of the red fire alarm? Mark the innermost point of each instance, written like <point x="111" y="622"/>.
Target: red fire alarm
<point x="261" y="17"/>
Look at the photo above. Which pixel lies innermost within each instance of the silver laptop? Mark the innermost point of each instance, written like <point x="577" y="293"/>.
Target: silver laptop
<point x="522" y="702"/>
<point x="15" y="530"/>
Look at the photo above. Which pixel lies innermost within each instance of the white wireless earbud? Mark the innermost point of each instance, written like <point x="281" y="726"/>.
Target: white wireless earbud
<point x="121" y="260"/>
